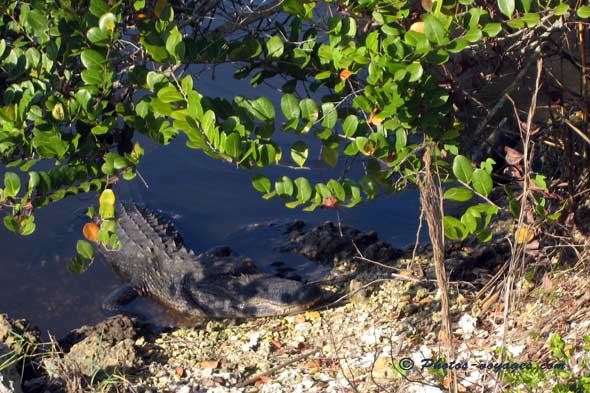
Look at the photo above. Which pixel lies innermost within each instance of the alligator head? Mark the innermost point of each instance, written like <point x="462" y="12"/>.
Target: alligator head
<point x="250" y="295"/>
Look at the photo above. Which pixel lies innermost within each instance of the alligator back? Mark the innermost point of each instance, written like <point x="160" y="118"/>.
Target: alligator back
<point x="148" y="243"/>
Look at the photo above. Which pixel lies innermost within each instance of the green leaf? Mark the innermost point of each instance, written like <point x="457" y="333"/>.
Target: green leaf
<point x="98" y="37"/>
<point x="492" y="29"/>
<point x="484" y="235"/>
<point x="284" y="186"/>
<point x="482" y="182"/>
<point x="361" y="142"/>
<point x="294" y="7"/>
<point x="174" y="44"/>
<point x="473" y="35"/>
<point x="454" y="229"/>
<point x="92" y="58"/>
<point x="108" y="22"/>
<point x="304" y="190"/>
<point x="561" y="9"/>
<point x="233" y="145"/>
<point x="337" y="190"/>
<point x="34" y="180"/>
<point x="99" y="130"/>
<point x="350" y="125"/>
<point x="290" y="106"/>
<point x="268" y="155"/>
<point x="299" y="152"/>
<point x="11" y="184"/>
<point x="27" y="226"/>
<point x="263" y="109"/>
<point x="98" y="7"/>
<point x="330" y="115"/>
<point x="261" y="183"/>
<point x="169" y="94"/>
<point x="401" y="140"/>
<point x="85" y="249"/>
<point x="37" y="21"/>
<point x="462" y="169"/>
<point x="93" y="76"/>
<point x="583" y="11"/>
<point x="187" y="84"/>
<point x="249" y="49"/>
<point x="309" y="109"/>
<point x="506" y="7"/>
<point x="470" y="219"/>
<point x="349" y="27"/>
<point x="531" y="19"/>
<point x="415" y="70"/>
<point x="434" y="30"/>
<point x="11" y="224"/>
<point x="275" y="47"/>
<point x="459" y="194"/>
<point x="539" y="180"/>
<point x="107" y="204"/>
<point x="323" y="75"/>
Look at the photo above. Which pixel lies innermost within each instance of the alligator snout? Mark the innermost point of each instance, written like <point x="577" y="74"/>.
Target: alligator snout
<point x="279" y="296"/>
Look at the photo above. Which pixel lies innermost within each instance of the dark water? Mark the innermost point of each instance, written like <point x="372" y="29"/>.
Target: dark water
<point x="212" y="203"/>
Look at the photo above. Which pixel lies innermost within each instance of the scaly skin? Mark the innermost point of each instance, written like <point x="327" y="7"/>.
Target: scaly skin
<point x="154" y="262"/>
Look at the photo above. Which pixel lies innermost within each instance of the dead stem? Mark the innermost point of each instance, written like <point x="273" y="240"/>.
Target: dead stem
<point x="431" y="199"/>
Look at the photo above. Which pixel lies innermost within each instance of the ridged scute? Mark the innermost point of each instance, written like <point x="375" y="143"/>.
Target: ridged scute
<point x="145" y="234"/>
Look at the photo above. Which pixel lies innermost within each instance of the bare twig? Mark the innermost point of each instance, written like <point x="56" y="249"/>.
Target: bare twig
<point x="517" y="252"/>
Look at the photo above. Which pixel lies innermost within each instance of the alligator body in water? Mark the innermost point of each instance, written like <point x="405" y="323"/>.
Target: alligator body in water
<point x="154" y="262"/>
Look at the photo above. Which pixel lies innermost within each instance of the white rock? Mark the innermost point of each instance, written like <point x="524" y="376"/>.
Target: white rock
<point x="515" y="350"/>
<point x="467" y="324"/>
<point x="252" y="342"/>
<point x="372" y="336"/>
<point x="184" y="389"/>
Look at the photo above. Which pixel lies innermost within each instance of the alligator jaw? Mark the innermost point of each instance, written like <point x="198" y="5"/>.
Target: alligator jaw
<point x="266" y="307"/>
<point x="252" y="296"/>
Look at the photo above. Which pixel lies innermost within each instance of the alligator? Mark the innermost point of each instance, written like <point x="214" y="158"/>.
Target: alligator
<point x="153" y="261"/>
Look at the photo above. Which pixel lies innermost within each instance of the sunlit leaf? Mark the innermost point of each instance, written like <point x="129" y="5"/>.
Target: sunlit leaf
<point x="275" y="47"/>
<point x="583" y="11"/>
<point x="261" y="183"/>
<point x="462" y="168"/>
<point x="482" y="182"/>
<point x="92" y="58"/>
<point x="350" y="125"/>
<point x="304" y="190"/>
<point x="506" y="7"/>
<point x="460" y="194"/>
<point x="107" y="204"/>
<point x="309" y="109"/>
<point x="107" y="22"/>
<point x="290" y="106"/>
<point x="454" y="229"/>
<point x="11" y="184"/>
<point x="263" y="109"/>
<point x="299" y="152"/>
